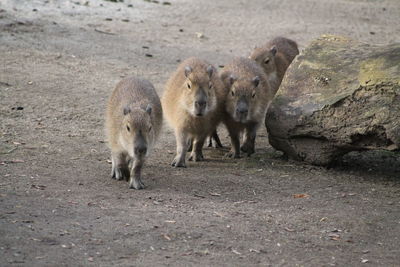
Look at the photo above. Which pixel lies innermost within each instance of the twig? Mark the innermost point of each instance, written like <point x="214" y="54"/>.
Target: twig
<point x="100" y="31"/>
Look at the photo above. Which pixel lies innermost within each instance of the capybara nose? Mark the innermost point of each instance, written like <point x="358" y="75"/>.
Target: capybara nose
<point x="200" y="104"/>
<point x="140" y="150"/>
<point x="242" y="111"/>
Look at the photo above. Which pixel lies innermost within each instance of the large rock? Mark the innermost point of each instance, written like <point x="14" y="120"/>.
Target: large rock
<point x="337" y="96"/>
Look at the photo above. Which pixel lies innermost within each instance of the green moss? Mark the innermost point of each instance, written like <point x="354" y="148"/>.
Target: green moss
<point x="372" y="72"/>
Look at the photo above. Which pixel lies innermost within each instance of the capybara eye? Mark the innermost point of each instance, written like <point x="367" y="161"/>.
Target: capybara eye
<point x="149" y="128"/>
<point x="127" y="127"/>
<point x="188" y="85"/>
<point x="232" y="93"/>
<point x="266" y="61"/>
<point x="210" y="85"/>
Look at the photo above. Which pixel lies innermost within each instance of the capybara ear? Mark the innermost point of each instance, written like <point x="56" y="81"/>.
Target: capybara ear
<point x="149" y="108"/>
<point x="228" y="79"/>
<point x="273" y="50"/>
<point x="210" y="71"/>
<point x="188" y="70"/>
<point x="127" y="110"/>
<point x="255" y="81"/>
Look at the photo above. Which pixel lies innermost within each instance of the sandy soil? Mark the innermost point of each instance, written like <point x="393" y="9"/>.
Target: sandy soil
<point x="59" y="61"/>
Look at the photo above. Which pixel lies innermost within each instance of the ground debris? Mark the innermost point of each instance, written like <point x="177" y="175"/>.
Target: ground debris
<point x="11" y="161"/>
<point x="301" y="195"/>
<point x="218" y="214"/>
<point x="289" y="229"/>
<point x="235" y="251"/>
<point x="335" y="237"/>
<point x="199" y="35"/>
<point x="4" y="84"/>
<point x="323" y="219"/>
<point x="38" y="186"/>
<point x="198" y="195"/>
<point x="104" y="32"/>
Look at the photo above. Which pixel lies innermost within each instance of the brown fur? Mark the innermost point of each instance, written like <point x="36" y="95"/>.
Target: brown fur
<point x="178" y="104"/>
<point x="133" y="104"/>
<point x="286" y="51"/>
<point x="239" y="77"/>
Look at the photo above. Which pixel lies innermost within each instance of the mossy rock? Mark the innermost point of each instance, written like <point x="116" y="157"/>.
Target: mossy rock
<point x="337" y="96"/>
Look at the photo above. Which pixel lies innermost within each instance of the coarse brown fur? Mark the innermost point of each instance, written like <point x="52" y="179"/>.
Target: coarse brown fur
<point x="133" y="123"/>
<point x="189" y="120"/>
<point x="246" y="103"/>
<point x="275" y="57"/>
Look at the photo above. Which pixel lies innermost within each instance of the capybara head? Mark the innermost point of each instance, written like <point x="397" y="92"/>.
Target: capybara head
<point x="265" y="58"/>
<point x="137" y="133"/>
<point x="242" y="100"/>
<point x="198" y="92"/>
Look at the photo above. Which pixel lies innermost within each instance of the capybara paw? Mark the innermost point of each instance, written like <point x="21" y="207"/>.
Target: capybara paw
<point x="119" y="174"/>
<point x="196" y="157"/>
<point x="178" y="163"/>
<point x="232" y="154"/>
<point x="249" y="149"/>
<point x="218" y="145"/>
<point x="136" y="183"/>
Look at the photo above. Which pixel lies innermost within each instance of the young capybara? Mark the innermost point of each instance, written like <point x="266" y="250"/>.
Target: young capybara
<point x="275" y="57"/>
<point x="133" y="123"/>
<point x="246" y="103"/>
<point x="191" y="104"/>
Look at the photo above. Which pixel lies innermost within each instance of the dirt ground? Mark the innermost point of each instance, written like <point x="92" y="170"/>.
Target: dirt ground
<point x="59" y="61"/>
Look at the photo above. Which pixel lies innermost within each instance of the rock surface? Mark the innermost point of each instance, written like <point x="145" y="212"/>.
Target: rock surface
<point x="337" y="96"/>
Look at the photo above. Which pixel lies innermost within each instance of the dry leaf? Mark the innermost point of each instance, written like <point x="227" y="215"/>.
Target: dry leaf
<point x="167" y="237"/>
<point x="335" y="237"/>
<point x="301" y="195"/>
<point x="215" y="194"/>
